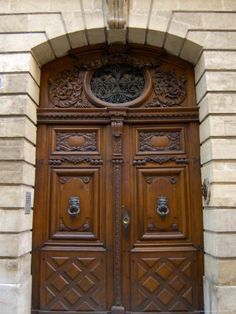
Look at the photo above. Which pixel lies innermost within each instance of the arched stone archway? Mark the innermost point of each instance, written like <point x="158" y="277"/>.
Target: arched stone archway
<point x="42" y="33"/>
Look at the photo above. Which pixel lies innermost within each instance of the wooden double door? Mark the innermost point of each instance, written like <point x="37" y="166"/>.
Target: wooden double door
<point x="117" y="222"/>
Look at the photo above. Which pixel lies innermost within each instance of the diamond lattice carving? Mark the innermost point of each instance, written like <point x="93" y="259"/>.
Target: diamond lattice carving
<point x="163" y="284"/>
<point x="74" y="283"/>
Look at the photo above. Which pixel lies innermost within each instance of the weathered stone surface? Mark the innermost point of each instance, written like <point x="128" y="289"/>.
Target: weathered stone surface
<point x="13" y="196"/>
<point x="15" y="220"/>
<point x="96" y="36"/>
<point x="216" y="82"/>
<point x="220" y="271"/>
<point x="78" y="39"/>
<point x="220" y="244"/>
<point x="218" y="171"/>
<point x="215" y="60"/>
<point x="22" y="42"/>
<point x="224" y="300"/>
<point x="18" y="105"/>
<point x="16" y="298"/>
<point x="190" y="51"/>
<point x="139" y="13"/>
<point x="215" y="125"/>
<point x="15" y="270"/>
<point x="18" y="127"/>
<point x="223" y="195"/>
<point x="220" y="220"/>
<point x="18" y="62"/>
<point x="216" y="148"/>
<point x="20" y="84"/>
<point x="220" y="103"/>
<point x="17" y="172"/>
<point x="136" y="35"/>
<point x="17" y="149"/>
<point x="173" y="44"/>
<point x="14" y="245"/>
<point x="213" y="39"/>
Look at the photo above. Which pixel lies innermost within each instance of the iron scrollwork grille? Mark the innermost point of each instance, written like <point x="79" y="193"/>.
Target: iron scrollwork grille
<point x="117" y="83"/>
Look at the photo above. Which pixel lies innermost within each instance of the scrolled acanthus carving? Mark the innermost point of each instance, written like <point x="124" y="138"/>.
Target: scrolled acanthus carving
<point x="170" y="90"/>
<point x="74" y="160"/>
<point x="159" y="141"/>
<point x="76" y="141"/>
<point x="160" y="160"/>
<point x="65" y="90"/>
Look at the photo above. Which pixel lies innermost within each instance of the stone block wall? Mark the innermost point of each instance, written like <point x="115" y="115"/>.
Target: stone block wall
<point x="33" y="33"/>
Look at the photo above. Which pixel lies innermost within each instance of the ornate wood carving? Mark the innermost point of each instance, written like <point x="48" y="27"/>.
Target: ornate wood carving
<point x="63" y="179"/>
<point x="117" y="83"/>
<point x="76" y="141"/>
<point x="65" y="90"/>
<point x="159" y="141"/>
<point x="117" y="126"/>
<point x="160" y="160"/>
<point x="156" y="265"/>
<point x="169" y="89"/>
<point x="103" y="115"/>
<point x="74" y="160"/>
<point x="117" y="53"/>
<point x="84" y="227"/>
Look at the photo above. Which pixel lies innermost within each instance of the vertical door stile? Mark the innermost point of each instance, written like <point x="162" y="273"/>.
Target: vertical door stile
<point x="117" y="159"/>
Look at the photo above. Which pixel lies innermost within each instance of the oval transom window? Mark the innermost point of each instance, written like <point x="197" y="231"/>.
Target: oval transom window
<point x="117" y="83"/>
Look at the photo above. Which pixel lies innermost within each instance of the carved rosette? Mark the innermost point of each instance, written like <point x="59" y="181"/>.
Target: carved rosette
<point x="65" y="90"/>
<point x="170" y="90"/>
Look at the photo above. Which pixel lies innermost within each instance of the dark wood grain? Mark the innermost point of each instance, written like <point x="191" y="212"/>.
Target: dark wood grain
<point x="117" y="160"/>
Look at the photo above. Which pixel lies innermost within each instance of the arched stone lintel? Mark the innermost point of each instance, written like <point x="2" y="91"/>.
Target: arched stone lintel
<point x="48" y="51"/>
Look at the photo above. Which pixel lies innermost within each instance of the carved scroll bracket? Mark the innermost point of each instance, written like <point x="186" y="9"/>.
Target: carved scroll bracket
<point x="117" y="13"/>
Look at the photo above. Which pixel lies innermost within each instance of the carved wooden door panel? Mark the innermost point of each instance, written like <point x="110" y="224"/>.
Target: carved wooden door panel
<point x="74" y="208"/>
<point x="161" y="241"/>
<point x="117" y="220"/>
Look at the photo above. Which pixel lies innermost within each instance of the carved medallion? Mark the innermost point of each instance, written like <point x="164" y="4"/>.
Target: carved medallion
<point x="76" y="141"/>
<point x="117" y="83"/>
<point x="169" y="89"/>
<point x="65" y="90"/>
<point x="159" y="141"/>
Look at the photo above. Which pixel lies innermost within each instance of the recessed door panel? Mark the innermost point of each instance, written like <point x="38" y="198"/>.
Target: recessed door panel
<point x="162" y="205"/>
<point x="76" y="140"/>
<point x="160" y="140"/>
<point x="163" y="281"/>
<point x="73" y="280"/>
<point x="76" y="204"/>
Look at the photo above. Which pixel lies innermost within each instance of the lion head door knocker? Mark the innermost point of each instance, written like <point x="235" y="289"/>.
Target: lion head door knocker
<point x="74" y="206"/>
<point x="162" y="206"/>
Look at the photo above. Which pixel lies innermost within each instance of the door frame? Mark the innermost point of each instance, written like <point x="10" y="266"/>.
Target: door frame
<point x="191" y="114"/>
